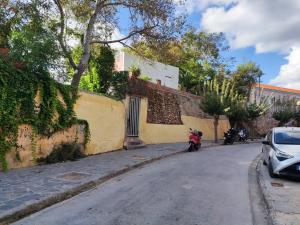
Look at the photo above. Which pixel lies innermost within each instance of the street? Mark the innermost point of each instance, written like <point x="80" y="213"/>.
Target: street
<point x="209" y="187"/>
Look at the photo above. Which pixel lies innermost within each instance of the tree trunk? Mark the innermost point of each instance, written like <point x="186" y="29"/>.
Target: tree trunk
<point x="77" y="76"/>
<point x="86" y="44"/>
<point x="216" y="123"/>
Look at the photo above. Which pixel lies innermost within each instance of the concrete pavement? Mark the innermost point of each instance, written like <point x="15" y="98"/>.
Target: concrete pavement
<point x="204" y="188"/>
<point x="24" y="191"/>
<point x="282" y="196"/>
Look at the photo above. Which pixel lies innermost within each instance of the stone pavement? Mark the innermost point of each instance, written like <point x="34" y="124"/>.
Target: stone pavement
<point x="282" y="197"/>
<point x="24" y="191"/>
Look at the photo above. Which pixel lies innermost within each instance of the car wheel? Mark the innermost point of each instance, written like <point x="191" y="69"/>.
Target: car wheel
<point x="271" y="172"/>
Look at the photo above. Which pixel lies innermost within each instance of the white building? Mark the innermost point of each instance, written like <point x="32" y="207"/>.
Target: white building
<point x="166" y="74"/>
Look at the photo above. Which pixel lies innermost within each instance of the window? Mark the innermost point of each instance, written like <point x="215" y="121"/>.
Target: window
<point x="287" y="138"/>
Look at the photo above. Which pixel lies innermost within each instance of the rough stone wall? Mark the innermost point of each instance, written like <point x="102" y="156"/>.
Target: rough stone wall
<point x="262" y="125"/>
<point x="166" y="105"/>
<point x="190" y="106"/>
<point x="163" y="108"/>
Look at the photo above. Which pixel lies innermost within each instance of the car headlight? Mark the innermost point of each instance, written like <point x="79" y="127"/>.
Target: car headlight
<point x="282" y="155"/>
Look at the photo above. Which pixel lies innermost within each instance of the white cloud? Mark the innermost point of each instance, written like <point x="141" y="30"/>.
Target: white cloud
<point x="196" y="5"/>
<point x="268" y="25"/>
<point x="289" y="75"/>
<point x="115" y="36"/>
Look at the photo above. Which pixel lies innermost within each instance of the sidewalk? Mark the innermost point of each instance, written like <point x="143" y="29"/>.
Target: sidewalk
<point x="282" y="197"/>
<point x="24" y="191"/>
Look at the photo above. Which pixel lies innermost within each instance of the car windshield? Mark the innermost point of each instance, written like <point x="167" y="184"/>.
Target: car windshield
<point x="287" y="138"/>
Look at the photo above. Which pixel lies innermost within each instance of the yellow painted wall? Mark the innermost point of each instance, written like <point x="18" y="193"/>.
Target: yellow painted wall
<point x="106" y="118"/>
<point x="32" y="147"/>
<point x="162" y="133"/>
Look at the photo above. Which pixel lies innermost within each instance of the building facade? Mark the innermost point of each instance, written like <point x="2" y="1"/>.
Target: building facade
<point x="158" y="72"/>
<point x="274" y="94"/>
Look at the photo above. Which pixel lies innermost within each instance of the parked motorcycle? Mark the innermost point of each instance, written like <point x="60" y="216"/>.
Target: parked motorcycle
<point x="194" y="140"/>
<point x="243" y="135"/>
<point x="230" y="136"/>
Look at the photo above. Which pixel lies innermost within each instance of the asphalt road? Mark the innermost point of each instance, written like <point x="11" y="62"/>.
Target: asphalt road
<point x="209" y="187"/>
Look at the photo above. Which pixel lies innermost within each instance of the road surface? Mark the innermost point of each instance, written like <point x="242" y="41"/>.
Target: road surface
<point x="209" y="187"/>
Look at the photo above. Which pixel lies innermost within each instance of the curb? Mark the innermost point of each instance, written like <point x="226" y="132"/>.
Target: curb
<point x="259" y="209"/>
<point x="35" y="207"/>
<point x="262" y="188"/>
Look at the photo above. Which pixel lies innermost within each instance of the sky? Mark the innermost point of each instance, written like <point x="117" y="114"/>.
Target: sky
<point x="264" y="31"/>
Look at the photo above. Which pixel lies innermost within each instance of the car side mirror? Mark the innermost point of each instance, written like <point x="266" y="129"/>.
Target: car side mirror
<point x="266" y="142"/>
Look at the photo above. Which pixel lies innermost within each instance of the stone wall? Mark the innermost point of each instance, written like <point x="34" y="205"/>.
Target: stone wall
<point x="151" y="133"/>
<point x="264" y="123"/>
<point x="163" y="108"/>
<point x="162" y="99"/>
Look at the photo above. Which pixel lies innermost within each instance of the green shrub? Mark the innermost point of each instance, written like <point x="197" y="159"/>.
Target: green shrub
<point x="62" y="153"/>
<point x="145" y="78"/>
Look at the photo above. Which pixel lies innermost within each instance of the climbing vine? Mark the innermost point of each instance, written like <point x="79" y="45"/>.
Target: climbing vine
<point x="20" y="90"/>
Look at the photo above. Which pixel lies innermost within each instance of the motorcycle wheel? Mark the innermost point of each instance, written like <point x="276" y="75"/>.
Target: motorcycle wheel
<point x="190" y="149"/>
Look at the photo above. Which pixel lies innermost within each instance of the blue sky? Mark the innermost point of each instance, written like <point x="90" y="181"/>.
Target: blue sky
<point x="264" y="31"/>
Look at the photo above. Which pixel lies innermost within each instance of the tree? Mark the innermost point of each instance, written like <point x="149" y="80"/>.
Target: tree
<point x="104" y="64"/>
<point x="285" y="111"/>
<point x="217" y="100"/>
<point x="237" y="113"/>
<point x="8" y="16"/>
<point x="245" y="76"/>
<point x="197" y="54"/>
<point x="99" y="72"/>
<point x="257" y="109"/>
<point x="283" y="116"/>
<point x="94" y="22"/>
<point x="23" y="30"/>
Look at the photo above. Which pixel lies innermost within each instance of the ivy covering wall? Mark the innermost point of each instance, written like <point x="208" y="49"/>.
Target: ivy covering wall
<point x="19" y="91"/>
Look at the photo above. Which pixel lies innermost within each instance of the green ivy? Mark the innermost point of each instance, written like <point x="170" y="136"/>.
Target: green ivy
<point x="18" y="90"/>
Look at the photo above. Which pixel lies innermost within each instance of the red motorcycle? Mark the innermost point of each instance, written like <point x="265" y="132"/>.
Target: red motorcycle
<point x="194" y="140"/>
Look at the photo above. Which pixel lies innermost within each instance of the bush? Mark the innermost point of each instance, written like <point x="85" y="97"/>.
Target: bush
<point x="62" y="153"/>
<point x="283" y="116"/>
<point x="119" y="84"/>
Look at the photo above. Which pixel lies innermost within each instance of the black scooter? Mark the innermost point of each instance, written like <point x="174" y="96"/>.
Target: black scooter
<point x="230" y="136"/>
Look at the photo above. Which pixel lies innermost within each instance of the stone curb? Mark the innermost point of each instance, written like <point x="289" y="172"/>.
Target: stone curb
<point x="270" y="209"/>
<point x="259" y="207"/>
<point x="35" y="207"/>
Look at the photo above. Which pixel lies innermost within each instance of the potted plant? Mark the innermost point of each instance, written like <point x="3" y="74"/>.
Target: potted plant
<point x="134" y="71"/>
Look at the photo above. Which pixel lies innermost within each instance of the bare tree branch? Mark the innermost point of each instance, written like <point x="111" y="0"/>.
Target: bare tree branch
<point x="132" y="33"/>
<point x="151" y="19"/>
<point x="61" y="34"/>
<point x="86" y="44"/>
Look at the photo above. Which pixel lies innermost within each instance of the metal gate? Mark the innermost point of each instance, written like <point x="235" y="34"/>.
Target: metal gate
<point x="133" y="117"/>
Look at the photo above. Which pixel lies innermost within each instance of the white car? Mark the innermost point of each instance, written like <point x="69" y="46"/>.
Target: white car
<point x="281" y="151"/>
